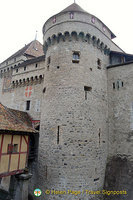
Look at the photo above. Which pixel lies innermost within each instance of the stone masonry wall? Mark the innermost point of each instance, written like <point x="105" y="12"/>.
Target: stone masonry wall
<point x="17" y="88"/>
<point x="120" y="162"/>
<point x="73" y="137"/>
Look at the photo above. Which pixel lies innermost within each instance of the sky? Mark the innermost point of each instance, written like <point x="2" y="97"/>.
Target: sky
<point x="20" y="19"/>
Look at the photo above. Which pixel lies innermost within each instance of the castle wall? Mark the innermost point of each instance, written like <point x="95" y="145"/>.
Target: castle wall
<point x="12" y="62"/>
<point x="73" y="137"/>
<point x="120" y="97"/>
<point x="25" y="85"/>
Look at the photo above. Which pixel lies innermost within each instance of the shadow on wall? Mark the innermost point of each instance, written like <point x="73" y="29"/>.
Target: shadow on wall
<point x="119" y="177"/>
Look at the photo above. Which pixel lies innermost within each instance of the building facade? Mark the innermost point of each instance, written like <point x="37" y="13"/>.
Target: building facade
<point x="81" y="92"/>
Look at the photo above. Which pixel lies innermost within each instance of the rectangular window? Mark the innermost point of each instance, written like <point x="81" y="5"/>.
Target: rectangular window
<point x="25" y="68"/>
<point x="16" y="70"/>
<point x="76" y="57"/>
<point x="12" y="148"/>
<point x="37" y="106"/>
<point x="71" y="15"/>
<point x="27" y="105"/>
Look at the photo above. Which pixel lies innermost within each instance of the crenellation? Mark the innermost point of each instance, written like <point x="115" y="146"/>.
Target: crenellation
<point x="76" y="37"/>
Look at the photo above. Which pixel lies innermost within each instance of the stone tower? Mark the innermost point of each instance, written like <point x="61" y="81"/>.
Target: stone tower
<point x="74" y="129"/>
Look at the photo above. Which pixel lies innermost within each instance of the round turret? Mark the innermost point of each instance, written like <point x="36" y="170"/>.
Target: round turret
<point x="73" y="138"/>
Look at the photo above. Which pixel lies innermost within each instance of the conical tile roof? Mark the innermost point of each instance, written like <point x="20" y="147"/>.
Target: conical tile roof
<point x="73" y="8"/>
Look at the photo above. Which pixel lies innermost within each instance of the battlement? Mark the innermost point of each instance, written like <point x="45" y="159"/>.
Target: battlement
<point x="75" y="36"/>
<point x="28" y="81"/>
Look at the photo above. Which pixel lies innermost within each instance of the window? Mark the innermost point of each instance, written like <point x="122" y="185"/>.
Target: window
<point x="27" y="105"/>
<point x="93" y="20"/>
<point x="87" y="89"/>
<point x="76" y="57"/>
<point x="25" y="68"/>
<point x="37" y="106"/>
<point x="122" y="59"/>
<point x="36" y="65"/>
<point x="58" y="135"/>
<point x="54" y="20"/>
<point x="48" y="60"/>
<point x="15" y="148"/>
<point x="44" y="90"/>
<point x="118" y="84"/>
<point x="98" y="63"/>
<point x="6" y="62"/>
<point x="14" y="59"/>
<point x="12" y="148"/>
<point x="113" y="85"/>
<point x="16" y="70"/>
<point x="71" y="15"/>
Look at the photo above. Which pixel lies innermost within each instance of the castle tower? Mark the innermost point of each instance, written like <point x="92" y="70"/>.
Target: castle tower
<point x="74" y="129"/>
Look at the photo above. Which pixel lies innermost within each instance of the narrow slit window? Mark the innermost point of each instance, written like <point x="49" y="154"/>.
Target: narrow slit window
<point x="27" y="105"/>
<point x="113" y="85"/>
<point x="99" y="134"/>
<point x="85" y="95"/>
<point x="48" y="60"/>
<point x="58" y="135"/>
<point x="44" y="90"/>
<point x="98" y="63"/>
<point x="25" y="68"/>
<point x="36" y="65"/>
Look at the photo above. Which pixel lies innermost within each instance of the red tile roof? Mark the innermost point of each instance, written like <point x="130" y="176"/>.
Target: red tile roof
<point x="33" y="49"/>
<point x="14" y="120"/>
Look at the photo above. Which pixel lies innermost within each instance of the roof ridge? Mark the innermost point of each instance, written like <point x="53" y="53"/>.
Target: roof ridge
<point x="17" y="52"/>
<point x="73" y="7"/>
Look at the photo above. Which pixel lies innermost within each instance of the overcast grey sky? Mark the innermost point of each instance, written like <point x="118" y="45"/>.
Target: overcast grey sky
<point x="19" y="20"/>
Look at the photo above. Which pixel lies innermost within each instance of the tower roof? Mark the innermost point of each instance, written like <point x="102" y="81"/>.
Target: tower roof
<point x="33" y="49"/>
<point x="72" y="8"/>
